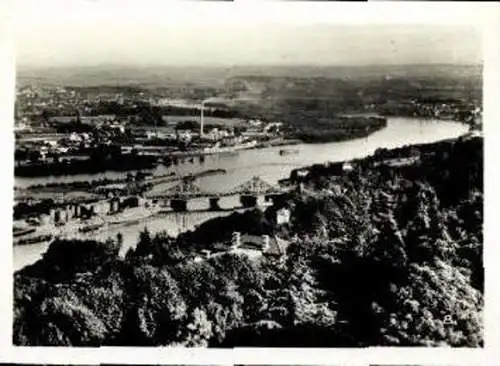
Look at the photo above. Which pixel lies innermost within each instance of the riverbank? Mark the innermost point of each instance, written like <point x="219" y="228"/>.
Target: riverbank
<point x="91" y="185"/>
<point x="89" y="165"/>
<point x="399" y="132"/>
<point x="129" y="224"/>
<point x="407" y="131"/>
<point x="270" y="166"/>
<point x="103" y="158"/>
<point x="134" y="162"/>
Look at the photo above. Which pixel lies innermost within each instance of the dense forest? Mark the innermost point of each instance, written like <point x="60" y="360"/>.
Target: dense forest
<point x="382" y="255"/>
<point x="316" y="104"/>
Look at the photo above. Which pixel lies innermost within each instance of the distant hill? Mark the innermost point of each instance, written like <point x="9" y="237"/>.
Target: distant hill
<point x="153" y="76"/>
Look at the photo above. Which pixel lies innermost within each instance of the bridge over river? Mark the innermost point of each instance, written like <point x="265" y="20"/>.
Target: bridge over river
<point x="187" y="189"/>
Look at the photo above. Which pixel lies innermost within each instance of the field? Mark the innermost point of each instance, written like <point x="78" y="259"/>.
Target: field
<point x="228" y="122"/>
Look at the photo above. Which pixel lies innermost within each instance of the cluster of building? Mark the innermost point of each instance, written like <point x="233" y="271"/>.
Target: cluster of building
<point x="74" y="216"/>
<point x="35" y="143"/>
<point x="46" y="137"/>
<point x="50" y="147"/>
<point x="33" y="100"/>
<point x="467" y="112"/>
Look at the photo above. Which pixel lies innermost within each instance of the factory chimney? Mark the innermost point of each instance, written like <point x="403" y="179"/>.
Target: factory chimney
<point x="202" y="117"/>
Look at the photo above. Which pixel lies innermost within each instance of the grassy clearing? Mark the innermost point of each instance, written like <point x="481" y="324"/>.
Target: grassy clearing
<point x="229" y="122"/>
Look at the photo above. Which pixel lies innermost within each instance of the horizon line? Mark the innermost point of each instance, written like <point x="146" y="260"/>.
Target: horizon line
<point x="20" y="66"/>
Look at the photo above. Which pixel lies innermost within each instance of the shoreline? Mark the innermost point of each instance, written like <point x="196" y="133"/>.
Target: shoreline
<point x="94" y="176"/>
<point x="90" y="185"/>
<point x="314" y="136"/>
<point x="334" y="153"/>
<point x="177" y="154"/>
<point x="115" y="222"/>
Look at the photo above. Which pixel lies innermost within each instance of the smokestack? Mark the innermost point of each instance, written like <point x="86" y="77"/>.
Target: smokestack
<point x="235" y="240"/>
<point x="201" y="122"/>
<point x="265" y="243"/>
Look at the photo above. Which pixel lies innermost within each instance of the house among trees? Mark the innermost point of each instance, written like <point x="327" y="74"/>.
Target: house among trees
<point x="254" y="245"/>
<point x="302" y="173"/>
<point x="347" y="167"/>
<point x="282" y="216"/>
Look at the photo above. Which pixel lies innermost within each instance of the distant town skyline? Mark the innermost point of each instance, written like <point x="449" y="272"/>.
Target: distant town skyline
<point x="93" y="35"/>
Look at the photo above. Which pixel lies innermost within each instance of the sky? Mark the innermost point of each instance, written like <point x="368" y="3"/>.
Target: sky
<point x="94" y="32"/>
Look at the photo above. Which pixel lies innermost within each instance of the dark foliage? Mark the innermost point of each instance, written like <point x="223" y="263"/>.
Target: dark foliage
<point x="101" y="159"/>
<point x="22" y="209"/>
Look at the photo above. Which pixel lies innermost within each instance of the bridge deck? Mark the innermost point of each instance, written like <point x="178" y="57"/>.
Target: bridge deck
<point x="211" y="195"/>
<point x="189" y="190"/>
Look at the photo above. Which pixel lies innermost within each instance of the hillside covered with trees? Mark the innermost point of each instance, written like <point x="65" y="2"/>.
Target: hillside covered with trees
<point x="382" y="256"/>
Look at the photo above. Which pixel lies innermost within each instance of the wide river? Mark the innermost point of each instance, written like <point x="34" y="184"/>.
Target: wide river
<point x="266" y="163"/>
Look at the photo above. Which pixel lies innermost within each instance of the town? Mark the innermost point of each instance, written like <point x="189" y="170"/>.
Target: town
<point x="72" y="131"/>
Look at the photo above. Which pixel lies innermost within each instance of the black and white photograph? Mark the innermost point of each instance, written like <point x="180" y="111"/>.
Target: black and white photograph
<point x="223" y="184"/>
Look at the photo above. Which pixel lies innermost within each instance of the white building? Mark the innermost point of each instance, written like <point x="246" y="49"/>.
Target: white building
<point x="185" y="136"/>
<point x="216" y="134"/>
<point x="283" y="216"/>
<point x="74" y="137"/>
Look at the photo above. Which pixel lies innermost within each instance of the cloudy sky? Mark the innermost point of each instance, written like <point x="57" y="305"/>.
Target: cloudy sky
<point x="92" y="32"/>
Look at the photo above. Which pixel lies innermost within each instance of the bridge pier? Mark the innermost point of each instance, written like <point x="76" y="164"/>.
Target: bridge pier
<point x="248" y="201"/>
<point x="178" y="205"/>
<point x="57" y="216"/>
<point x="214" y="204"/>
<point x="274" y="198"/>
<point x="114" y="206"/>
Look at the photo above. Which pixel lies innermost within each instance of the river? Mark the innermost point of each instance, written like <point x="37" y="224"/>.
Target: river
<point x="266" y="163"/>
